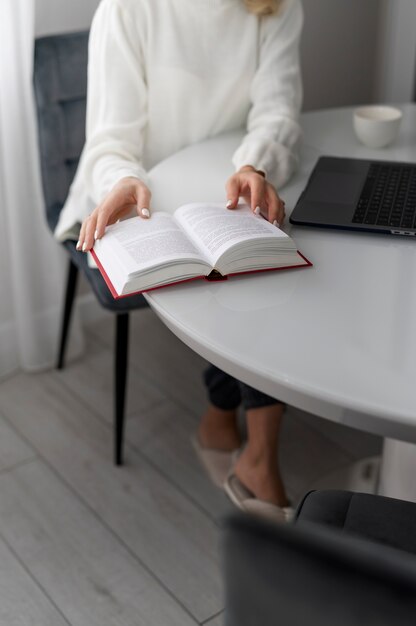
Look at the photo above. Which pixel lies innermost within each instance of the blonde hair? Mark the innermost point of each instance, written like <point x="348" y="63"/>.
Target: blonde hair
<point x="262" y="7"/>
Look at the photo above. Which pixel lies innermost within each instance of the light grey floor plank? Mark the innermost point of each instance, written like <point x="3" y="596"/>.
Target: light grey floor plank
<point x="22" y="602"/>
<point x="13" y="450"/>
<point x="161" y="505"/>
<point x="159" y="524"/>
<point x="157" y="353"/>
<point x="81" y="565"/>
<point x="219" y="620"/>
<point x="91" y="379"/>
<point x="163" y="436"/>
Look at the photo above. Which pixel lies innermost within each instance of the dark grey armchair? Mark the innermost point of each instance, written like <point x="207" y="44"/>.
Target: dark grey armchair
<point x="60" y="84"/>
<point x="348" y="560"/>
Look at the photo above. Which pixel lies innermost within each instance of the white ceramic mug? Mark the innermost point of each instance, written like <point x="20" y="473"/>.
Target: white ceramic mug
<point x="377" y="126"/>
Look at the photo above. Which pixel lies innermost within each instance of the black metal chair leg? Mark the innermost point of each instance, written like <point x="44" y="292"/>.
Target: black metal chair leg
<point x="71" y="285"/>
<point x="122" y="335"/>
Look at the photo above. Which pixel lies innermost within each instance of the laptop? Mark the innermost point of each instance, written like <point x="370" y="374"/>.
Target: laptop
<point x="358" y="194"/>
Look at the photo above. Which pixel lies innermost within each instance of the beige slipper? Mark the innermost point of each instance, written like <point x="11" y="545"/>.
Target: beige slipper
<point x="216" y="463"/>
<point x="245" y="500"/>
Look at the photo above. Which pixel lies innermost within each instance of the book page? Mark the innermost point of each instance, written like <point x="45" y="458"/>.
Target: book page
<point x="216" y="229"/>
<point x="139" y="243"/>
<point x="138" y="254"/>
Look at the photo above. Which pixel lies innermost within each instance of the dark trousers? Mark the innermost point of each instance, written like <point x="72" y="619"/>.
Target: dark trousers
<point x="226" y="392"/>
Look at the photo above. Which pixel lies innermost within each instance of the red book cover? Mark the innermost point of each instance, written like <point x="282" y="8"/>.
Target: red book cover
<point x="116" y="296"/>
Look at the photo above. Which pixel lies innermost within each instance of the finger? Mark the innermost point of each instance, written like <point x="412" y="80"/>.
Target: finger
<point x="102" y="222"/>
<point x="104" y="214"/>
<point x="276" y="206"/>
<point x="89" y="232"/>
<point x="280" y="216"/>
<point x="111" y="209"/>
<point x="108" y="212"/>
<point x="257" y="194"/>
<point x="273" y="207"/>
<point x="82" y="234"/>
<point x="143" y="202"/>
<point x="282" y="212"/>
<point x="232" y="188"/>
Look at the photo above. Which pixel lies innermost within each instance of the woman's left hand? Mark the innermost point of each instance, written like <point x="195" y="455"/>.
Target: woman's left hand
<point x="259" y="194"/>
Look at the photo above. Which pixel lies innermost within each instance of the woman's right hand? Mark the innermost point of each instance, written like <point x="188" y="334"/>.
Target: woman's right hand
<point x="127" y="194"/>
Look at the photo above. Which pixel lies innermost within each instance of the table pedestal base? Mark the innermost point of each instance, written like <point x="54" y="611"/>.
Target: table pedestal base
<point x="361" y="476"/>
<point x="398" y="470"/>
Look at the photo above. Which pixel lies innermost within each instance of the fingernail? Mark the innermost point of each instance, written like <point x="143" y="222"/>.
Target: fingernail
<point x="96" y="235"/>
<point x="276" y="223"/>
<point x="229" y="203"/>
<point x="84" y="247"/>
<point x="145" y="213"/>
<point x="257" y="210"/>
<point x="78" y="246"/>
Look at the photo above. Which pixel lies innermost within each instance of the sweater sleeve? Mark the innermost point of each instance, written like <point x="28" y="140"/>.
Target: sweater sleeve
<point x="116" y="102"/>
<point x="273" y="131"/>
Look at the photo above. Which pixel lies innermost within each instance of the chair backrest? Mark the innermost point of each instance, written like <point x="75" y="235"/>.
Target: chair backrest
<point x="310" y="575"/>
<point x="60" y="84"/>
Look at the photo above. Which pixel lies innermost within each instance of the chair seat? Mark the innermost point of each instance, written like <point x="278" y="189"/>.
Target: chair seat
<point x="376" y="518"/>
<point x="329" y="568"/>
<point x="98" y="285"/>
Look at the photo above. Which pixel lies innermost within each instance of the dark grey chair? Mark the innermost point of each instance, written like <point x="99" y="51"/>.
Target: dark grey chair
<point x="348" y="560"/>
<point x="60" y="84"/>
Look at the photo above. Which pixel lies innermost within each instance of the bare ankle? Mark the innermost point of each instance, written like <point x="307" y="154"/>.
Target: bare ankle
<point x="259" y="460"/>
<point x="262" y="477"/>
<point x="218" y="429"/>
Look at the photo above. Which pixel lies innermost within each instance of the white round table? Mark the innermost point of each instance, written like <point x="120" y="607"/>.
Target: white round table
<point x="337" y="339"/>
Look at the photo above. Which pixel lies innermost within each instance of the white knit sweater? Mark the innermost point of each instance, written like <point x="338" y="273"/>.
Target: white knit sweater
<point x="164" y="74"/>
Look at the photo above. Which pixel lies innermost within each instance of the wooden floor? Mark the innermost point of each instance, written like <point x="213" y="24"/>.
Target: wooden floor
<point x="83" y="543"/>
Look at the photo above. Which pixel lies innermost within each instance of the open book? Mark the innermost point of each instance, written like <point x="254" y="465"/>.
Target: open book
<point x="198" y="240"/>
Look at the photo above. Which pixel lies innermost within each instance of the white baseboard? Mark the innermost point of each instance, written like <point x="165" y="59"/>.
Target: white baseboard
<point x="8" y="352"/>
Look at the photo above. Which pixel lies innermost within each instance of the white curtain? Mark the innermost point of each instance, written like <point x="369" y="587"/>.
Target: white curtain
<point x="32" y="265"/>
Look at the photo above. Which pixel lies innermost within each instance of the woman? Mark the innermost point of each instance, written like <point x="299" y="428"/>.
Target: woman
<point x="164" y="74"/>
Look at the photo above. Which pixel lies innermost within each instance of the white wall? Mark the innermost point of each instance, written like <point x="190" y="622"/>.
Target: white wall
<point x="339" y="51"/>
<point x="57" y="16"/>
<point x="353" y="51"/>
<point x="8" y="359"/>
<point x="396" y="74"/>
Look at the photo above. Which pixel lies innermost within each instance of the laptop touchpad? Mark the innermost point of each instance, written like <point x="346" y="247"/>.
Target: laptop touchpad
<point x="335" y="187"/>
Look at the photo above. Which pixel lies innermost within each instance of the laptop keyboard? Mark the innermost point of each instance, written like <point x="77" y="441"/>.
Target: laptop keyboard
<point x="388" y="197"/>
